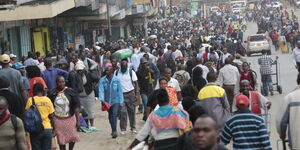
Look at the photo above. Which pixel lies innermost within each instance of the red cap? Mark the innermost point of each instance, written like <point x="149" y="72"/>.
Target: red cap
<point x="242" y="101"/>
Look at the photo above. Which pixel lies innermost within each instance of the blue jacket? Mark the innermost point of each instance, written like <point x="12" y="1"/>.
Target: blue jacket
<point x="111" y="92"/>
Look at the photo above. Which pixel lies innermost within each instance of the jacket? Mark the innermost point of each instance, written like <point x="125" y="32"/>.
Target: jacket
<point x="72" y="97"/>
<point x="89" y="86"/>
<point x="215" y="100"/>
<point x="111" y="92"/>
<point x="288" y="117"/>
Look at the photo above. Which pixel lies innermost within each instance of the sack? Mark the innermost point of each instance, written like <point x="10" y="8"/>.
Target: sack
<point x="181" y="79"/>
<point x="54" y="144"/>
<point x="105" y="106"/>
<point x="123" y="53"/>
<point x="32" y="119"/>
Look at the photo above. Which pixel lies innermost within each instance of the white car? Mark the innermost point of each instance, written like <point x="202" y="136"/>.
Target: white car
<point x="256" y="43"/>
<point x="276" y="4"/>
<point x="298" y="3"/>
<point x="215" y="9"/>
<point x="236" y="10"/>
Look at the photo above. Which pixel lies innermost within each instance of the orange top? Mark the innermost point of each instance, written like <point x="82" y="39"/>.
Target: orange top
<point x="33" y="81"/>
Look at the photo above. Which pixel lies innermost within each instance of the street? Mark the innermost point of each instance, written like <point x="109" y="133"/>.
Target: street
<point x="287" y="79"/>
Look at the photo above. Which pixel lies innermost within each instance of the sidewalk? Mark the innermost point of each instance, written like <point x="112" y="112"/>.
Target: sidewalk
<point x="102" y="140"/>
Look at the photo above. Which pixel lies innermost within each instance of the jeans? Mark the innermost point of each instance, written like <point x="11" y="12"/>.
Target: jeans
<point x="128" y="109"/>
<point x="266" y="83"/>
<point x="113" y="116"/>
<point x="145" y="101"/>
<point x="42" y="140"/>
<point x="276" y="45"/>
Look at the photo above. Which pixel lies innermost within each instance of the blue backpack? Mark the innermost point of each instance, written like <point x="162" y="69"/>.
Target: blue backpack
<point x="33" y="119"/>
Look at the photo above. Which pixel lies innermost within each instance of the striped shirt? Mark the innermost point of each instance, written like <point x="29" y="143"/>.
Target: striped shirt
<point x="247" y="131"/>
<point x="265" y="63"/>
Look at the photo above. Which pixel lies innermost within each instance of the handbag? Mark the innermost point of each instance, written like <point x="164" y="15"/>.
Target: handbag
<point x="54" y="145"/>
<point x="105" y="106"/>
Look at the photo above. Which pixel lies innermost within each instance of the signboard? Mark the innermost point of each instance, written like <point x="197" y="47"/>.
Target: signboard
<point x="195" y="7"/>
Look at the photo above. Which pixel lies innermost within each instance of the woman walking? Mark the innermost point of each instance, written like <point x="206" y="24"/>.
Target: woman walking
<point x="43" y="139"/>
<point x="66" y="115"/>
<point x="164" y="124"/>
<point x="86" y="93"/>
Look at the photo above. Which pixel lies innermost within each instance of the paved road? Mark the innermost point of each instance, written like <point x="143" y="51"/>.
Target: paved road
<point x="102" y="140"/>
<point x="287" y="74"/>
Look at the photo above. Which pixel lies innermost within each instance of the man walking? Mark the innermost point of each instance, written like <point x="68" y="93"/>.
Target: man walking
<point x="229" y="78"/>
<point x="12" y="131"/>
<point x="110" y="91"/>
<point x="257" y="102"/>
<point x="14" y="77"/>
<point x="214" y="99"/>
<point x="130" y="87"/>
<point x="296" y="56"/>
<point x="265" y="63"/>
<point x="287" y="117"/>
<point x="246" y="129"/>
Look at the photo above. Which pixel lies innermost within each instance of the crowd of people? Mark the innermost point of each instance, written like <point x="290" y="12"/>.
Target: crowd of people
<point x="189" y="79"/>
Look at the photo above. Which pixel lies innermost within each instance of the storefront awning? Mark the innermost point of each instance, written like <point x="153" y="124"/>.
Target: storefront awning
<point x="36" y="11"/>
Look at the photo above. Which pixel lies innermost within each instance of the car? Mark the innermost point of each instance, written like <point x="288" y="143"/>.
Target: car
<point x="215" y="9"/>
<point x="236" y="10"/>
<point x="258" y="42"/>
<point x="276" y="4"/>
<point x="298" y="3"/>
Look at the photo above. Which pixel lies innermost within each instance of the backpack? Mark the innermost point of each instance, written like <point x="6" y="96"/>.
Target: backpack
<point x="170" y="62"/>
<point x="181" y="79"/>
<point x="33" y="119"/>
<point x="14" y="122"/>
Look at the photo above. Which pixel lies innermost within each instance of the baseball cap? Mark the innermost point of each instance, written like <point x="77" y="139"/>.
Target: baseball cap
<point x="12" y="56"/>
<point x="242" y="101"/>
<point x="5" y="58"/>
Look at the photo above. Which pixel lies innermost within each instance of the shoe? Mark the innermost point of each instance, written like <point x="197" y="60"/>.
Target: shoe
<point x="271" y="93"/>
<point x="114" y="135"/>
<point x="123" y="132"/>
<point x="134" y="131"/>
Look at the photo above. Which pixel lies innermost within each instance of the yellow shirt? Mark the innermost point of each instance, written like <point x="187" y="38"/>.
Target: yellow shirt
<point x="45" y="108"/>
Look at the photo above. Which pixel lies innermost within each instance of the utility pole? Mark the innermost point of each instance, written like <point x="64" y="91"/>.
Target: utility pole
<point x="108" y="21"/>
<point x="145" y="19"/>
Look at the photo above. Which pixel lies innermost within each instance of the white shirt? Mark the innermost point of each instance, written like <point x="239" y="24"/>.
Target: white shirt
<point x="296" y="55"/>
<point x="125" y="80"/>
<point x="178" y="53"/>
<point x="229" y="75"/>
<point x="173" y="83"/>
<point x="205" y="70"/>
<point x="224" y="57"/>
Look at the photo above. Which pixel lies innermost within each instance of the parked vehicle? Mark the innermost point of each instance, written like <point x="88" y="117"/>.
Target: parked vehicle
<point x="256" y="43"/>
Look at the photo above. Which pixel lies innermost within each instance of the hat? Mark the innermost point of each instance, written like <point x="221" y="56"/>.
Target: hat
<point x="242" y="101"/>
<point x="5" y="58"/>
<point x="97" y="48"/>
<point x="144" y="60"/>
<point x="12" y="56"/>
<point x="79" y="66"/>
<point x="18" y="65"/>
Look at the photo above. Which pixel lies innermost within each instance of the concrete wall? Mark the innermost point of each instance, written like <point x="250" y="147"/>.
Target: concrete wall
<point x="37" y="11"/>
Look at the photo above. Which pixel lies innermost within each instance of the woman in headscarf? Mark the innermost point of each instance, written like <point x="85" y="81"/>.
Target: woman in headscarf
<point x="86" y="92"/>
<point x="163" y="124"/>
<point x="66" y="114"/>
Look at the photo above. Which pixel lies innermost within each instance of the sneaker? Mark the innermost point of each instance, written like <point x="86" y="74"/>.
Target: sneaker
<point x="123" y="132"/>
<point x="114" y="135"/>
<point x="134" y="131"/>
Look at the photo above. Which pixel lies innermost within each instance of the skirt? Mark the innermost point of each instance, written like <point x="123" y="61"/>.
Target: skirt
<point x="88" y="103"/>
<point x="66" y="130"/>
